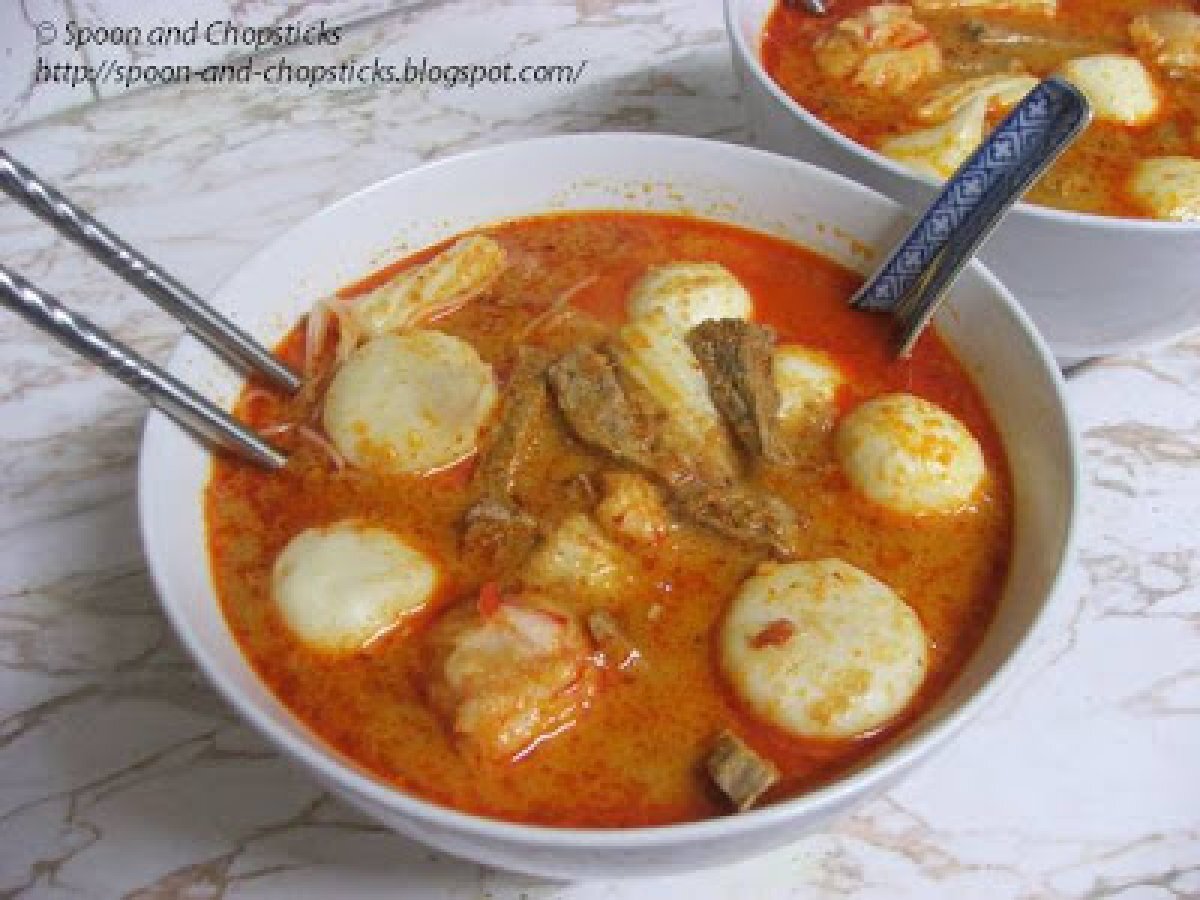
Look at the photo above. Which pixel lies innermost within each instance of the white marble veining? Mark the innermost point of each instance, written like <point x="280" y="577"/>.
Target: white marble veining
<point x="122" y="774"/>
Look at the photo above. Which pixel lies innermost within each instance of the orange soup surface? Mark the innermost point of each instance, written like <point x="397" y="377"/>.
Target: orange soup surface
<point x="635" y="755"/>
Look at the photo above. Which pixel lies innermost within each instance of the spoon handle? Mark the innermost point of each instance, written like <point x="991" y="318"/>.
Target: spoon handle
<point x="222" y="335"/>
<point x="195" y="413"/>
<point x="917" y="273"/>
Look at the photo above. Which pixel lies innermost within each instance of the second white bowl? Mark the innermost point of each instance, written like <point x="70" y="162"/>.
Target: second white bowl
<point x="1094" y="285"/>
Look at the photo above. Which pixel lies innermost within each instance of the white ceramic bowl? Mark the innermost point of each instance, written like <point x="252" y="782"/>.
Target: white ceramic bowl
<point x="736" y="184"/>
<point x="1092" y="284"/>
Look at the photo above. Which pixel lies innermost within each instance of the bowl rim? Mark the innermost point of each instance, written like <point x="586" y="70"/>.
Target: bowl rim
<point x="892" y="763"/>
<point x="752" y="58"/>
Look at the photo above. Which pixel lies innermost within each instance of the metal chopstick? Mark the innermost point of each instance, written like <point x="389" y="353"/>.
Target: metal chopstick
<point x="165" y="392"/>
<point x="916" y="275"/>
<point x="222" y="335"/>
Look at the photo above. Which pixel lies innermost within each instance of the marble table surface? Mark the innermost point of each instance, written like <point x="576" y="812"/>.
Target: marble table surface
<point x="122" y="774"/>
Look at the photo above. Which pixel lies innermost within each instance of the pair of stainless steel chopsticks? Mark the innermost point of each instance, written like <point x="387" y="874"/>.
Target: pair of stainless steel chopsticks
<point x="918" y="272"/>
<point x="165" y="392"/>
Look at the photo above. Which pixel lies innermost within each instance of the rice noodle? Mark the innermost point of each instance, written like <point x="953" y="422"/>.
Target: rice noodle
<point x="423" y="312"/>
<point x="314" y="413"/>
<point x="578" y="287"/>
<point x="314" y="335"/>
<point x="349" y="332"/>
<point x="312" y="436"/>
<point x="422" y="315"/>
<point x="558" y="309"/>
<point x="254" y="394"/>
<point x="550" y="320"/>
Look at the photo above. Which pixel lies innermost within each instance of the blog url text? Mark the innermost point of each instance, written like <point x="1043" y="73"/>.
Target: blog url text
<point x="282" y="71"/>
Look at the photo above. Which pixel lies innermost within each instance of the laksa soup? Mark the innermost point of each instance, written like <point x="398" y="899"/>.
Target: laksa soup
<point x="923" y="82"/>
<point x="611" y="519"/>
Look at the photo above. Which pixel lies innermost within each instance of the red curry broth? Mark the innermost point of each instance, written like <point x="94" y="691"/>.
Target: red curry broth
<point x="610" y="769"/>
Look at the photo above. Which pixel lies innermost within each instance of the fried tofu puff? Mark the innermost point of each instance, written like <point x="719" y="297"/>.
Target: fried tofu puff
<point x="881" y="49"/>
<point x="961" y="114"/>
<point x="410" y="403"/>
<point x="684" y="294"/>
<point x="506" y="678"/>
<point x="821" y="649"/>
<point x="961" y="111"/>
<point x="940" y="150"/>
<point x="1168" y="187"/>
<point x="1118" y="87"/>
<point x="909" y="455"/>
<point x="578" y="557"/>
<point x="338" y="588"/>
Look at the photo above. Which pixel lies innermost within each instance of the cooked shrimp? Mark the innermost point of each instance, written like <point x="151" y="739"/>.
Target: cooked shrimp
<point x="883" y="49"/>
<point x="509" y="675"/>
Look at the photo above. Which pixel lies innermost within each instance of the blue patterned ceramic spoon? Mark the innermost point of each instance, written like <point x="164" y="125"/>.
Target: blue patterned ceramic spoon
<point x="916" y="275"/>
